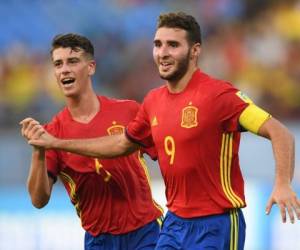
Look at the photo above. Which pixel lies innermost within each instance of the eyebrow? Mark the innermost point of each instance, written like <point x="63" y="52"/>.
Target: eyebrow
<point x="69" y="58"/>
<point x="168" y="41"/>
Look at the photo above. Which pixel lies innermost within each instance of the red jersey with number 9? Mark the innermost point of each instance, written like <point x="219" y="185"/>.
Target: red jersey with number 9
<point x="196" y="134"/>
<point x="110" y="196"/>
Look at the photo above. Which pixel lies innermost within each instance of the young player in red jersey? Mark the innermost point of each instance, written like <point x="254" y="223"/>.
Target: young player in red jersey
<point x="194" y="122"/>
<point x="112" y="197"/>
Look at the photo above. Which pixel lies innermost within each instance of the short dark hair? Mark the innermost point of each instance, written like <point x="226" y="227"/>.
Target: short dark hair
<point x="73" y="41"/>
<point x="183" y="21"/>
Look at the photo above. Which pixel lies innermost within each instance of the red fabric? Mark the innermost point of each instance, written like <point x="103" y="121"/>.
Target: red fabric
<point x="193" y="181"/>
<point x="119" y="205"/>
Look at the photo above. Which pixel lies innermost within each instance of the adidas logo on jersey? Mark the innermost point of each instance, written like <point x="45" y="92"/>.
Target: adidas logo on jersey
<point x="154" y="122"/>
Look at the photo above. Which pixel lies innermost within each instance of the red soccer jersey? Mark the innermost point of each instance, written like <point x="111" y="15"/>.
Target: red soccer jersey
<point x="196" y="134"/>
<point x="110" y="196"/>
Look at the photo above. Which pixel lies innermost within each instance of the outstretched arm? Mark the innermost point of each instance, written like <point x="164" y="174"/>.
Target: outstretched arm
<point x="39" y="184"/>
<point x="284" y="152"/>
<point x="101" y="147"/>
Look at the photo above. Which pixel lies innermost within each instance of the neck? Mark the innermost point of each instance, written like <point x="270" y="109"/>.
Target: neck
<point x="178" y="86"/>
<point x="84" y="107"/>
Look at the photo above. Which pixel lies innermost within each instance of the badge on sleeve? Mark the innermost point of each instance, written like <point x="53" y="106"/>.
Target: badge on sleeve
<point x="244" y="97"/>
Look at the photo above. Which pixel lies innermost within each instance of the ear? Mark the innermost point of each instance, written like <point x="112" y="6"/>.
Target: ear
<point x="195" y="51"/>
<point x="92" y="67"/>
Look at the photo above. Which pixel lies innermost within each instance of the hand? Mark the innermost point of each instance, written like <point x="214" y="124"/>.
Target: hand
<point x="31" y="129"/>
<point x="36" y="135"/>
<point x="286" y="200"/>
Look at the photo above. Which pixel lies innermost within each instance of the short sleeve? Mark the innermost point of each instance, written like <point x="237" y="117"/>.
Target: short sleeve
<point x="151" y="151"/>
<point x="229" y="104"/>
<point x="52" y="156"/>
<point x="139" y="129"/>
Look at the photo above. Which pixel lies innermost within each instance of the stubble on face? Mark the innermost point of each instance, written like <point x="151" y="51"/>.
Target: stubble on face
<point x="180" y="70"/>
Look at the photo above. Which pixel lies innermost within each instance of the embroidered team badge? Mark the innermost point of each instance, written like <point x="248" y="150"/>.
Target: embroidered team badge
<point x="189" y="116"/>
<point x="115" y="129"/>
<point x="244" y="97"/>
<point x="154" y="122"/>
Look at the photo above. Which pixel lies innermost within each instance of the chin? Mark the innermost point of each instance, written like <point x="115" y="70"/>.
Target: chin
<point x="69" y="94"/>
<point x="166" y="76"/>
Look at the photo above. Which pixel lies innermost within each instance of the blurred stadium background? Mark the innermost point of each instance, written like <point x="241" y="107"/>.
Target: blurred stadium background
<point x="253" y="43"/>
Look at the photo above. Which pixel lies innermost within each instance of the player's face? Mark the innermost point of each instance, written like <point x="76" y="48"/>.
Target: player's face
<point x="72" y="70"/>
<point x="171" y="53"/>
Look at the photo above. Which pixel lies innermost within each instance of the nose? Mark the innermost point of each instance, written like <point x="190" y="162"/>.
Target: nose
<point x="65" y="69"/>
<point x="163" y="52"/>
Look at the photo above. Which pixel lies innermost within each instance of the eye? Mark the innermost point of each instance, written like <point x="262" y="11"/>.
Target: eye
<point x="56" y="64"/>
<point x="174" y="44"/>
<point x="157" y="44"/>
<point x="73" y="60"/>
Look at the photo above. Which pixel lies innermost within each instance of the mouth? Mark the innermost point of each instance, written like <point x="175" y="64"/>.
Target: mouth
<point x="165" y="66"/>
<point x="68" y="80"/>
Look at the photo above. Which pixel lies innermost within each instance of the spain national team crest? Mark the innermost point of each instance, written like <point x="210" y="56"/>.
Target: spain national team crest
<point x="115" y="129"/>
<point x="189" y="117"/>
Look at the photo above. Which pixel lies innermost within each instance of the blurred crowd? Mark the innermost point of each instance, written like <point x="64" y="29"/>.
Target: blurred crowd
<point x="254" y="44"/>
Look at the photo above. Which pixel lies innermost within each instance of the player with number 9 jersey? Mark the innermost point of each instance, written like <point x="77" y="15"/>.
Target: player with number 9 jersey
<point x="196" y="133"/>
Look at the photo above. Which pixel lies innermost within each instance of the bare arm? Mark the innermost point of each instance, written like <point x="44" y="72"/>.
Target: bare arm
<point x="39" y="184"/>
<point x="283" y="145"/>
<point x="284" y="153"/>
<point x="101" y="147"/>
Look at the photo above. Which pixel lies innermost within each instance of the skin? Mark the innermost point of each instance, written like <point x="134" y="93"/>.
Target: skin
<point x="82" y="103"/>
<point x="79" y="96"/>
<point x="283" y="144"/>
<point x="176" y="62"/>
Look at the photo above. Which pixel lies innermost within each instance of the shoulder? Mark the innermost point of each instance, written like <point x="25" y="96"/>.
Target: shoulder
<point x="218" y="87"/>
<point x="215" y="83"/>
<point x="155" y="94"/>
<point x="57" y="121"/>
<point x="119" y="103"/>
<point x="60" y="117"/>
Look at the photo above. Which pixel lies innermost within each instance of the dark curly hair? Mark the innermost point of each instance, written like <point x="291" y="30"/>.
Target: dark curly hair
<point x="73" y="41"/>
<point x="183" y="21"/>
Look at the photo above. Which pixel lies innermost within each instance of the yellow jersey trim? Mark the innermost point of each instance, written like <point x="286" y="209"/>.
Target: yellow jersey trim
<point x="101" y="171"/>
<point x="160" y="220"/>
<point x="73" y="195"/>
<point x="225" y="170"/>
<point x="253" y="117"/>
<point x="145" y="168"/>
